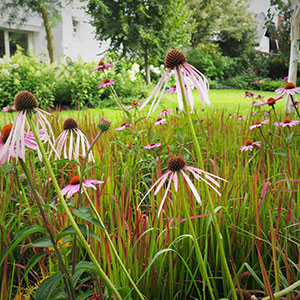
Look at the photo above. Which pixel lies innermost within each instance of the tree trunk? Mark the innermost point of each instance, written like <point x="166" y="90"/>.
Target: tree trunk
<point x="147" y="68"/>
<point x="49" y="34"/>
<point x="294" y="56"/>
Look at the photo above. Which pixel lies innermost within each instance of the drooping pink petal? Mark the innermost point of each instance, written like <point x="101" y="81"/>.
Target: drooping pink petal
<point x="164" y="178"/>
<point x="191" y="185"/>
<point x="165" y="195"/>
<point x="175" y="179"/>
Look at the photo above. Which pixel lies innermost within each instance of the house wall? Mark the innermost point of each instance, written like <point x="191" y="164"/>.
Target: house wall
<point x="73" y="36"/>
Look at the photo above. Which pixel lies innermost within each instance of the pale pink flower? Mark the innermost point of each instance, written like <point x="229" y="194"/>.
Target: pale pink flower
<point x="287" y="122"/>
<point x="8" y="109"/>
<point x="26" y="103"/>
<point x="102" y="66"/>
<point x="176" y="60"/>
<point x="289" y="89"/>
<point x="249" y="94"/>
<point x="74" y="186"/>
<point x="160" y="121"/>
<point x="165" y="112"/>
<point x="241" y="117"/>
<point x="177" y="166"/>
<point x="123" y="126"/>
<point x="172" y="90"/>
<point x="152" y="145"/>
<point x="249" y="145"/>
<point x="106" y="82"/>
<point x="271" y="101"/>
<point x="232" y="116"/>
<point x="253" y="113"/>
<point x="29" y="142"/>
<point x="260" y="97"/>
<point x="296" y="104"/>
<point x="133" y="104"/>
<point x="258" y="81"/>
<point x="72" y="142"/>
<point x="259" y="124"/>
<point x="255" y="103"/>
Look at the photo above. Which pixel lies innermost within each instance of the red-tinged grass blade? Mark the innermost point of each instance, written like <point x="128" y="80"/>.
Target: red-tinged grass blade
<point x="268" y="288"/>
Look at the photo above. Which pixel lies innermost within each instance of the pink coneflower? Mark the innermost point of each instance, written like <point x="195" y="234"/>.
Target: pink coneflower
<point x="72" y="142"/>
<point x="152" y="145"/>
<point x="286" y="78"/>
<point x="123" y="126"/>
<point x="74" y="186"/>
<point x="133" y="104"/>
<point x="258" y="81"/>
<point x="296" y="104"/>
<point x="231" y="116"/>
<point x="165" y="112"/>
<point x="29" y="142"/>
<point x="249" y="94"/>
<point x="25" y="104"/>
<point x="102" y="66"/>
<point x="106" y="82"/>
<point x="160" y="121"/>
<point x="249" y="145"/>
<point x="8" y="109"/>
<point x="176" y="60"/>
<point x="260" y="97"/>
<point x="287" y="122"/>
<point x="241" y="117"/>
<point x="177" y="165"/>
<point x="252" y="114"/>
<point x="271" y="101"/>
<point x="289" y="89"/>
<point x="259" y="124"/>
<point x="172" y="90"/>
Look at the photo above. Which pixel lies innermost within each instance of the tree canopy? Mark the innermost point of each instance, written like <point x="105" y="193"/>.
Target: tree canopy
<point x="142" y="28"/>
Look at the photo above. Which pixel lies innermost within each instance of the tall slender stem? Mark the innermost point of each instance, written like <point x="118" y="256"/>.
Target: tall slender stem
<point x="111" y="244"/>
<point x="51" y="233"/>
<point x="294" y="104"/>
<point x="210" y="201"/>
<point x="84" y="243"/>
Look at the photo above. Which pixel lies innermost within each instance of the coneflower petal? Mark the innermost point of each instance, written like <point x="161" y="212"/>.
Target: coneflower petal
<point x="165" y="195"/>
<point x="175" y="179"/>
<point x="165" y="176"/>
<point x="191" y="185"/>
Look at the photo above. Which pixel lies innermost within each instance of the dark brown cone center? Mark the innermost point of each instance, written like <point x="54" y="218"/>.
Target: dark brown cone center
<point x="174" y="58"/>
<point x="70" y="124"/>
<point x="176" y="163"/>
<point x="25" y="100"/>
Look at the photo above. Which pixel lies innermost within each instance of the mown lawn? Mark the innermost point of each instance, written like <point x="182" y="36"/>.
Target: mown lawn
<point x="231" y="100"/>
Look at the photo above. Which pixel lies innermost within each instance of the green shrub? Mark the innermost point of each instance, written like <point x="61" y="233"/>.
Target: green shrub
<point x="67" y="85"/>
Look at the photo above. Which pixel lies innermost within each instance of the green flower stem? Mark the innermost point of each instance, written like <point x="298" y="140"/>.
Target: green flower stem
<point x="111" y="244"/>
<point x="38" y="199"/>
<point x="263" y="136"/>
<point x="210" y="201"/>
<point x="84" y="243"/>
<point x="198" y="251"/>
<point x="284" y="291"/>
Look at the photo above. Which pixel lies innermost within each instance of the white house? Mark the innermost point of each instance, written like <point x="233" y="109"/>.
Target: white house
<point x="73" y="36"/>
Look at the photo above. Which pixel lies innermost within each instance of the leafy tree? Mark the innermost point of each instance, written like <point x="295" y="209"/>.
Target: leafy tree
<point x="142" y="28"/>
<point x="226" y="21"/>
<point x="18" y="12"/>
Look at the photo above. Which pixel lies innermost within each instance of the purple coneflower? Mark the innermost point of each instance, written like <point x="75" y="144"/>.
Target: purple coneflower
<point x="231" y="116"/>
<point x="249" y="94"/>
<point x="259" y="124"/>
<point x="8" y="109"/>
<point x="271" y="101"/>
<point x="177" y="165"/>
<point x="152" y="145"/>
<point x="260" y="97"/>
<point x="106" y="82"/>
<point x="72" y="142"/>
<point x="241" y="117"/>
<point x="176" y="60"/>
<point x="133" y="104"/>
<point x="172" y="90"/>
<point x="165" y="112"/>
<point x="29" y="142"/>
<point x="252" y="114"/>
<point x="289" y="89"/>
<point x="74" y="186"/>
<point x="286" y="78"/>
<point x="249" y="145"/>
<point x="160" y="121"/>
<point x="123" y="126"/>
<point x="102" y="66"/>
<point x="287" y="122"/>
<point x="258" y="81"/>
<point x="25" y="104"/>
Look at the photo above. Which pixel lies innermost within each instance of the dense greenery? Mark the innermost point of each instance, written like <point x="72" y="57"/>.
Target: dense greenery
<point x="66" y="85"/>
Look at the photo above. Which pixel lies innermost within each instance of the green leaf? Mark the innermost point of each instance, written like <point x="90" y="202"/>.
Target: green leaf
<point x="86" y="214"/>
<point x="84" y="296"/>
<point x="82" y="267"/>
<point x="252" y="272"/>
<point x="70" y="230"/>
<point x="20" y="237"/>
<point x="43" y="242"/>
<point x="125" y="292"/>
<point x="47" y="287"/>
<point x="33" y="261"/>
<point x="290" y="136"/>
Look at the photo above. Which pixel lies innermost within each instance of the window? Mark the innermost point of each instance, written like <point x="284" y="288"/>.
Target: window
<point x="75" y="24"/>
<point x="9" y="41"/>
